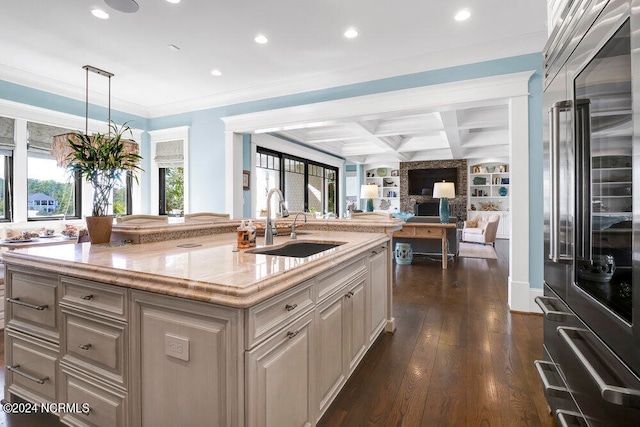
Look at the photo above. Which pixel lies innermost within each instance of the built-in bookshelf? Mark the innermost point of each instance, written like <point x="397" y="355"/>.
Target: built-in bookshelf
<point x="388" y="181"/>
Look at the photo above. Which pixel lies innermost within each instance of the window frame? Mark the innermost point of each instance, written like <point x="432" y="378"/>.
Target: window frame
<point x="8" y="189"/>
<point x="282" y="181"/>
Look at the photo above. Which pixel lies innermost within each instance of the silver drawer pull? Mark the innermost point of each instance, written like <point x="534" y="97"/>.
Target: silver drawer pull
<point x="549" y="312"/>
<point x="86" y="297"/>
<point x="543" y="367"/>
<point x="349" y="294"/>
<point x="292" y="334"/>
<point x="569" y="418"/>
<point x="15" y="370"/>
<point x="84" y="346"/>
<point x="27" y="304"/>
<point x="290" y="307"/>
<point x="618" y="395"/>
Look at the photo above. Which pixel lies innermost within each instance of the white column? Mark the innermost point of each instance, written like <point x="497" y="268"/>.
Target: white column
<point x="519" y="192"/>
<point x="233" y="161"/>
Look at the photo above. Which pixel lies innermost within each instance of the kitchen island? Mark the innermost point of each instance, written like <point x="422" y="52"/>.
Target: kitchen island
<point x="193" y="331"/>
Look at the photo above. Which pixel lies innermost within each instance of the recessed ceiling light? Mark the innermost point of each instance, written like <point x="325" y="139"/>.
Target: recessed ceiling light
<point x="126" y="6"/>
<point x="174" y="1"/>
<point x="351" y="33"/>
<point x="99" y="13"/>
<point x="216" y="73"/>
<point x="173" y="47"/>
<point x="261" y="39"/>
<point x="463" y="15"/>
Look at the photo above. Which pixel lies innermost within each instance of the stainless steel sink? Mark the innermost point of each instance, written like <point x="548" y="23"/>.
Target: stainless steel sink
<point x="296" y="249"/>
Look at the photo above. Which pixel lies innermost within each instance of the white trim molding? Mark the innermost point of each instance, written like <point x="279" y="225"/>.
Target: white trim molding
<point x="160" y="135"/>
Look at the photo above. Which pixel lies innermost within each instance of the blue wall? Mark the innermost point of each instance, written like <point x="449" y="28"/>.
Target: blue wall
<point x="207" y="141"/>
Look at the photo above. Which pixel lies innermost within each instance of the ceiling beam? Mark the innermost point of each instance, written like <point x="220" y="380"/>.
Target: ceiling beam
<point x="450" y="123"/>
<point x="366" y="131"/>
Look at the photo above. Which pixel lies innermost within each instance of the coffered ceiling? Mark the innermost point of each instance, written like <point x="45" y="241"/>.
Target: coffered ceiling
<point x="44" y="44"/>
<point x="453" y="133"/>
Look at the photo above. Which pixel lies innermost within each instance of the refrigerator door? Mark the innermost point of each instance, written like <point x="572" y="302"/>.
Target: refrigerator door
<point x="603" y="84"/>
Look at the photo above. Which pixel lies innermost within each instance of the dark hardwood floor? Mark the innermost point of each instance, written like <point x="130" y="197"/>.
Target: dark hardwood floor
<point x="458" y="357"/>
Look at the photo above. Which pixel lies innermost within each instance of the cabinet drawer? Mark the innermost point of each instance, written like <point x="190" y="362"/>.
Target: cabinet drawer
<point x="330" y="282"/>
<point x="32" y="367"/>
<point x="94" y="344"/>
<point x="100" y="299"/>
<point x="270" y="315"/>
<point x="430" y="233"/>
<point x="405" y="232"/>
<point x="99" y="404"/>
<point x="31" y="301"/>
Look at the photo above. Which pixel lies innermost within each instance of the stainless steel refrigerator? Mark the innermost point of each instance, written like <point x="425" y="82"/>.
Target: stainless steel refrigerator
<point x="591" y="306"/>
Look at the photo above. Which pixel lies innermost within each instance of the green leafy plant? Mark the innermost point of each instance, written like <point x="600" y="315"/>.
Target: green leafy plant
<point x="101" y="159"/>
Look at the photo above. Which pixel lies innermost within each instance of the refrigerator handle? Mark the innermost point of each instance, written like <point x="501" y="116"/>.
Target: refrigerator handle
<point x="583" y="179"/>
<point x="554" y="171"/>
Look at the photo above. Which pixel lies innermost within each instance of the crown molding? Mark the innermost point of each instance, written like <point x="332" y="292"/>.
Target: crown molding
<point x="56" y="87"/>
<point x="498" y="49"/>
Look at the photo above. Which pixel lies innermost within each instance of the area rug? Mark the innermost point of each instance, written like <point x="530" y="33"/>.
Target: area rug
<point x="476" y="250"/>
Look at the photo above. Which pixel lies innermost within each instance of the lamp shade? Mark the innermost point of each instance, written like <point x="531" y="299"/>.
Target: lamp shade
<point x="444" y="189"/>
<point x="368" y="191"/>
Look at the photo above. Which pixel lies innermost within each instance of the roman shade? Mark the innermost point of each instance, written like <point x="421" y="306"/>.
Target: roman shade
<point x="7" y="139"/>
<point x="40" y="138"/>
<point x="170" y="154"/>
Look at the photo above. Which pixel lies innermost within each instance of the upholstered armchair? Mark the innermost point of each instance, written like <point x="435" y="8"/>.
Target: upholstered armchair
<point x="481" y="229"/>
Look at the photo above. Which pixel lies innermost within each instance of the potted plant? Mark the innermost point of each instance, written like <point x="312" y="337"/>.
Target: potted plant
<point x="101" y="159"/>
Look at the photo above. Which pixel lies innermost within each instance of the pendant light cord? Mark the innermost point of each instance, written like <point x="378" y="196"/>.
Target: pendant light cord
<point x="102" y="73"/>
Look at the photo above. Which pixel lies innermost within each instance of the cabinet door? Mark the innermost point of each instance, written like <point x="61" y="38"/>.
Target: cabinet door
<point x="377" y="295"/>
<point x="504" y="226"/>
<point x="331" y="361"/>
<point x="358" y="337"/>
<point x="185" y="353"/>
<point x="279" y="378"/>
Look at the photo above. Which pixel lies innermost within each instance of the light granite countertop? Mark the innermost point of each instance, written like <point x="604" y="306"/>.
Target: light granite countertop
<point x="206" y="268"/>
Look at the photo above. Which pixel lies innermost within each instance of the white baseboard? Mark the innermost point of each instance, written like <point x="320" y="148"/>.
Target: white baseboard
<point x="533" y="293"/>
<point x="522" y="297"/>
<point x="519" y="298"/>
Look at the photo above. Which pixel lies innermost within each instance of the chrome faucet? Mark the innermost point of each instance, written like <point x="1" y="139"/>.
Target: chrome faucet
<point x="268" y="231"/>
<point x="293" y="224"/>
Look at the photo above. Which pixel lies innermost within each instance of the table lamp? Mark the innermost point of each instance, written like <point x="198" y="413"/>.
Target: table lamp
<point x="444" y="191"/>
<point x="369" y="192"/>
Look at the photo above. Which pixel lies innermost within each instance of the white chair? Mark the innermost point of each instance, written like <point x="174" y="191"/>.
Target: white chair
<point x="481" y="229"/>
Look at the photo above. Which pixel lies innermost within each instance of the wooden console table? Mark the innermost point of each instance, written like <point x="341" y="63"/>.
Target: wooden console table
<point x="423" y="230"/>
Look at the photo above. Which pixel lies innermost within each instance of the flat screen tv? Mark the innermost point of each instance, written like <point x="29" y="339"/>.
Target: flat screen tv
<point x="421" y="180"/>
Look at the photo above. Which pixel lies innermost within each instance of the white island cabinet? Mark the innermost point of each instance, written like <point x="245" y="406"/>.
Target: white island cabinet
<point x="134" y="357"/>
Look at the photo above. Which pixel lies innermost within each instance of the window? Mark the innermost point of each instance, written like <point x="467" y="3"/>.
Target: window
<point x="7" y="144"/>
<point x="306" y="185"/>
<point x="51" y="191"/>
<point x="267" y="177"/>
<point x="122" y="197"/>
<point x="170" y="160"/>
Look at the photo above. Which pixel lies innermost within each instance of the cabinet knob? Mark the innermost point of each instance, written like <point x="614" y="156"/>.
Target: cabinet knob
<point x="292" y="334"/>
<point x="86" y="297"/>
<point x="290" y="307"/>
<point x="349" y="294"/>
<point x="84" y="346"/>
